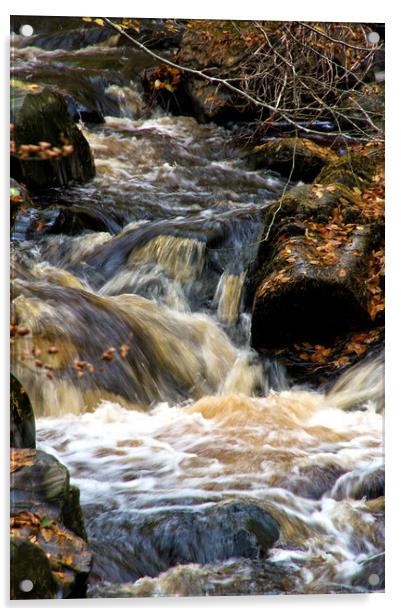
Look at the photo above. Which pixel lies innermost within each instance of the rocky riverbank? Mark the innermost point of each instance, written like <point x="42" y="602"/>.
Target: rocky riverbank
<point x="49" y="554"/>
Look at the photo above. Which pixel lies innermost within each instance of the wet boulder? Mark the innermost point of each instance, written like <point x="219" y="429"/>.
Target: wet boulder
<point x="48" y="148"/>
<point x="47" y="528"/>
<point x="49" y="555"/>
<point x="41" y="484"/>
<point x="212" y="50"/>
<point x="22" y="419"/>
<point x="312" y="480"/>
<point x="73" y="220"/>
<point x="360" y="484"/>
<point x="30" y="573"/>
<point x="147" y="544"/>
<point x="302" y="159"/>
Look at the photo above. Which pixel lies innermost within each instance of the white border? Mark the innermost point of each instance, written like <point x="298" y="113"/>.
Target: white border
<point x="333" y="10"/>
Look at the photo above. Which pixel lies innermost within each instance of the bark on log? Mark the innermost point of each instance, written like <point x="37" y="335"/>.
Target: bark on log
<point x="302" y="159"/>
<point x="311" y="270"/>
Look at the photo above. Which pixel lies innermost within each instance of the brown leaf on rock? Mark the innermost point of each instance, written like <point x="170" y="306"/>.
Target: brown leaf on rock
<point x="356" y="347"/>
<point x="21" y="458"/>
<point x="341" y="362"/>
<point x="24" y="519"/>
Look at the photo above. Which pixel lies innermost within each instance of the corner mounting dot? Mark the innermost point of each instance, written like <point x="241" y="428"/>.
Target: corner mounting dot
<point x="373" y="37"/>
<point x="373" y="579"/>
<point x="26" y="585"/>
<point x="26" y="30"/>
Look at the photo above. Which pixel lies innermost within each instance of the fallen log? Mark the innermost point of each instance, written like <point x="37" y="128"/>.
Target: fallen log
<point x="315" y="279"/>
<point x="302" y="159"/>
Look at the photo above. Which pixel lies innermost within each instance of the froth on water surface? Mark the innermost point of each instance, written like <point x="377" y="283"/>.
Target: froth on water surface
<point x="284" y="452"/>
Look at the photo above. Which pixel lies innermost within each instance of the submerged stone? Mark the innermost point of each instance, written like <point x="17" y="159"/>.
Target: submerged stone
<point x="360" y="484"/>
<point x="372" y="574"/>
<point x="152" y="543"/>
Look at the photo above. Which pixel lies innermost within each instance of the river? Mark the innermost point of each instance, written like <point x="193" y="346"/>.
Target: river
<point x="154" y="399"/>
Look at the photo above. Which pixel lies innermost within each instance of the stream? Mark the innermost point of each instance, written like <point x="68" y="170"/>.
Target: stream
<point x="155" y="401"/>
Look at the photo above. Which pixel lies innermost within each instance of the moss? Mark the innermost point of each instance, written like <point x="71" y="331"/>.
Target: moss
<point x="302" y="159"/>
<point x="41" y="115"/>
<point x="350" y="170"/>
<point x="29" y="562"/>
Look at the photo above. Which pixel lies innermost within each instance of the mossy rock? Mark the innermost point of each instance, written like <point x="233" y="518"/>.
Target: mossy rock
<point x="302" y="159"/>
<point x="59" y="565"/>
<point x="45" y="509"/>
<point x="40" y="115"/>
<point x="22" y="419"/>
<point x="352" y="170"/>
<point x="30" y="564"/>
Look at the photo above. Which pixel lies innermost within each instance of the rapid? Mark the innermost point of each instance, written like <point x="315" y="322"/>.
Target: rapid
<point x="139" y="368"/>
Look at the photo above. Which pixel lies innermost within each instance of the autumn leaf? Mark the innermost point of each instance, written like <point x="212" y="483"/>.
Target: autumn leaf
<point x="341" y="362"/>
<point x="21" y="458"/>
<point x="356" y="347"/>
<point x="124" y="348"/>
<point x="22" y="330"/>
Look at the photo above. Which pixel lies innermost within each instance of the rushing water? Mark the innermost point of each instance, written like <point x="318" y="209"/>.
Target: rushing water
<point x="139" y="367"/>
